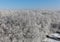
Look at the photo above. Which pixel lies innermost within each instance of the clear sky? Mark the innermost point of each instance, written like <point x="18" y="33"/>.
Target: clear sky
<point x="30" y="4"/>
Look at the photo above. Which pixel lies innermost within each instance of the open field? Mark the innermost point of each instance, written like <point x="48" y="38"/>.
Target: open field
<point x="28" y="25"/>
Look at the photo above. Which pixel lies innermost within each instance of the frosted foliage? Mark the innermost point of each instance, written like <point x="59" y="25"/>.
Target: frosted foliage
<point x="27" y="25"/>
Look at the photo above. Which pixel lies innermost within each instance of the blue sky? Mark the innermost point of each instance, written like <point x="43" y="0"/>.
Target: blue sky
<point x="29" y="4"/>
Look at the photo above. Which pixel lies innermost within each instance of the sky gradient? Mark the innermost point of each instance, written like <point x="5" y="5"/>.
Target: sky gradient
<point x="29" y="4"/>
